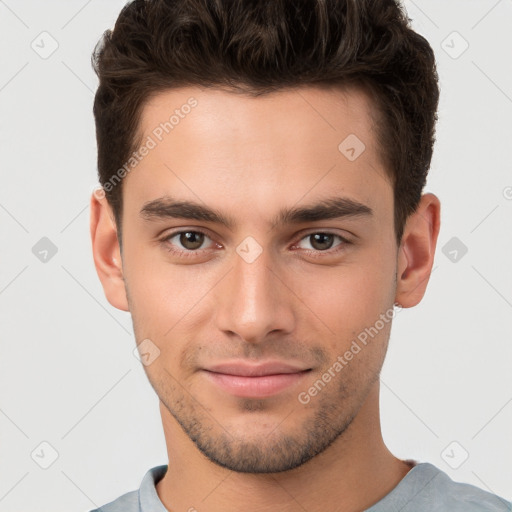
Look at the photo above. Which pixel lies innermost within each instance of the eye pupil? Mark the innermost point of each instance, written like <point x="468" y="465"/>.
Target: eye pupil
<point x="321" y="241"/>
<point x="191" y="240"/>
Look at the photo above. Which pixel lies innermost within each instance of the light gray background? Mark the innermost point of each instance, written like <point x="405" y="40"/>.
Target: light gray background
<point x="68" y="376"/>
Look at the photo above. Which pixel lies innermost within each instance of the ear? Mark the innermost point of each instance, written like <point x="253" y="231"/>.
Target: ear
<point x="106" y="251"/>
<point x="416" y="252"/>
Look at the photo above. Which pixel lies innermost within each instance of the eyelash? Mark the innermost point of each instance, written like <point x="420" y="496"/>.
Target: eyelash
<point x="311" y="252"/>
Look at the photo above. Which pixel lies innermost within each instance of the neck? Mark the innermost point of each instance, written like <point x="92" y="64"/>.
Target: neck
<point x="352" y="474"/>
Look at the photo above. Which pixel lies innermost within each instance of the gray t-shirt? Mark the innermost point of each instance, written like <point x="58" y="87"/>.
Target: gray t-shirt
<point x="424" y="488"/>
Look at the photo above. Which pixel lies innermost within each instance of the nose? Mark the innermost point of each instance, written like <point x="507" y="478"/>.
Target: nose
<point x="254" y="301"/>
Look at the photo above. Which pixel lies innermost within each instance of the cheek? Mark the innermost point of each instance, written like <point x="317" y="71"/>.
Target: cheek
<point x="155" y="297"/>
<point x="345" y="300"/>
<point x="166" y="301"/>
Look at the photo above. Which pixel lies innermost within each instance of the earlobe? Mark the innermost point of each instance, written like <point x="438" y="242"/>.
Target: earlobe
<point x="417" y="250"/>
<point x="106" y="251"/>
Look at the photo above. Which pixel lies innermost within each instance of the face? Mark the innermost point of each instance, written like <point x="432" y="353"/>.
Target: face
<point x="258" y="253"/>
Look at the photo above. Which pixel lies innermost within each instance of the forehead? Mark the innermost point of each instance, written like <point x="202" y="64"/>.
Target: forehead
<point x="259" y="151"/>
<point x="324" y="112"/>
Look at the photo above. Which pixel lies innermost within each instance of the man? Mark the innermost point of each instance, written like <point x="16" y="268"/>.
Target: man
<point x="262" y="218"/>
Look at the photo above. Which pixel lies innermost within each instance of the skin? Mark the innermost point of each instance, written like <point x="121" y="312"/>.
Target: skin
<point x="298" y="301"/>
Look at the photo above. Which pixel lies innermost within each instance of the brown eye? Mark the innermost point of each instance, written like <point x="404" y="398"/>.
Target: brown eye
<point x="321" y="241"/>
<point x="189" y="244"/>
<point x="191" y="240"/>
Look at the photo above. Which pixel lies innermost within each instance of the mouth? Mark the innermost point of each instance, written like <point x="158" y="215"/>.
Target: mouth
<point x="255" y="381"/>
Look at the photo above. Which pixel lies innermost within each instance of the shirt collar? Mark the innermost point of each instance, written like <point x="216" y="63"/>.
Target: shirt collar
<point x="148" y="497"/>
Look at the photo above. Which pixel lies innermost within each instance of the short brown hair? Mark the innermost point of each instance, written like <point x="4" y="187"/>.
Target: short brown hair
<point x="260" y="46"/>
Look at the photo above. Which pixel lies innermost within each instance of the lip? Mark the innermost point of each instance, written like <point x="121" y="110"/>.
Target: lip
<point x="255" y="380"/>
<point x="245" y="369"/>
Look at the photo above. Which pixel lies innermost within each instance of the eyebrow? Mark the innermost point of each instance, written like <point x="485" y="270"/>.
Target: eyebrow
<point x="330" y="208"/>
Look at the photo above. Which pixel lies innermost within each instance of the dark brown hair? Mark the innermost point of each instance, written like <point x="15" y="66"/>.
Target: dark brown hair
<point x="260" y="46"/>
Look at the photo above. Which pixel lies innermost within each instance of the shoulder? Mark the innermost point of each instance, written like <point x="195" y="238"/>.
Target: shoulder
<point x="143" y="499"/>
<point x="426" y="487"/>
<point x="128" y="502"/>
<point x="465" y="497"/>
